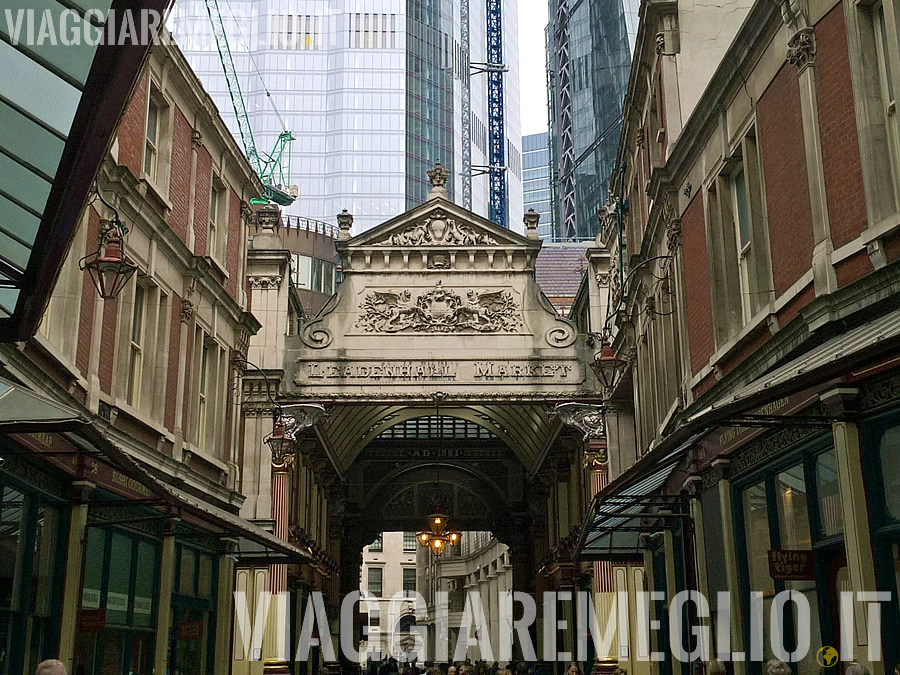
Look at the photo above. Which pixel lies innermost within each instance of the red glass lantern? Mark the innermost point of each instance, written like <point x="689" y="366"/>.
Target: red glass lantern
<point x="108" y="267"/>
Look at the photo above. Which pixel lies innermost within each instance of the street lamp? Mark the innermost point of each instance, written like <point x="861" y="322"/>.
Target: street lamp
<point x="437" y="537"/>
<point x="608" y="367"/>
<point x="107" y="266"/>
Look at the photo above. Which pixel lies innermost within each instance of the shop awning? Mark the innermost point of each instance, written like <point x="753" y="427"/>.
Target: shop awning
<point x="855" y="347"/>
<point x="23" y="410"/>
<point x="620" y="514"/>
<point x="259" y="543"/>
<point x="265" y="546"/>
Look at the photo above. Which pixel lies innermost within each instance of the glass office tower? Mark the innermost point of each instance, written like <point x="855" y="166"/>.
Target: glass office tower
<point x="589" y="46"/>
<point x="375" y="92"/>
<point x="536" y="180"/>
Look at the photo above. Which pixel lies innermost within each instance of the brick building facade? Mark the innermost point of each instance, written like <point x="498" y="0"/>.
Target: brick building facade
<point x="746" y="280"/>
<point x="122" y="470"/>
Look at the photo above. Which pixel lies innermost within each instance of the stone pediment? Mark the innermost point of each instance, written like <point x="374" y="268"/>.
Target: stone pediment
<point x="437" y="299"/>
<point x="440" y="223"/>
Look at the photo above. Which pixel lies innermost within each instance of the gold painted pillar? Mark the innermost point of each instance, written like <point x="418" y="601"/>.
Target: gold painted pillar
<point x="71" y="600"/>
<point x="224" y="606"/>
<point x="164" y="605"/>
<point x="276" y="631"/>
<point x="720" y="467"/>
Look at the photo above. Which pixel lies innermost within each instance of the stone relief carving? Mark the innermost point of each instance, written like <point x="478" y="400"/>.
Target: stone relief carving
<point x="187" y="311"/>
<point x="439" y="261"/>
<point x="440" y="310"/>
<point x="585" y="417"/>
<point x="561" y="335"/>
<point x="437" y="229"/>
<point x="802" y="49"/>
<point x="264" y="282"/>
<point x="315" y="335"/>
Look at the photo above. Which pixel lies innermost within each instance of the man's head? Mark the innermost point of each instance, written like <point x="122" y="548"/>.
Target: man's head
<point x="716" y="667"/>
<point x="776" y="667"/>
<point x="50" y="667"/>
<point x="856" y="669"/>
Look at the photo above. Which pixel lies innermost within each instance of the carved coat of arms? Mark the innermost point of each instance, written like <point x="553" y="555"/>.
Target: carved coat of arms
<point x="439" y="229"/>
<point x="440" y="310"/>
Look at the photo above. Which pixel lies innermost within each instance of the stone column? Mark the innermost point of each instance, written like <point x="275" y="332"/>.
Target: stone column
<point x="802" y="53"/>
<point x="855" y="513"/>
<point x="71" y="600"/>
<point x="164" y="604"/>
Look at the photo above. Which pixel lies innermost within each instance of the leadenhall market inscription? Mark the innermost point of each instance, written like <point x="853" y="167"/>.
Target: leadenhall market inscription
<point x="458" y="371"/>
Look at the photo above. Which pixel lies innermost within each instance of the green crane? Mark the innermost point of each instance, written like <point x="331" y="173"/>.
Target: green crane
<point x="273" y="169"/>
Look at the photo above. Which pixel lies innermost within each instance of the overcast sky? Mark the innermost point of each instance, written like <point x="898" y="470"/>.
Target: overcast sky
<point x="532" y="65"/>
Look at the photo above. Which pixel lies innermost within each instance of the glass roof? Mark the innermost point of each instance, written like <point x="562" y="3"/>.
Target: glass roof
<point x="41" y="85"/>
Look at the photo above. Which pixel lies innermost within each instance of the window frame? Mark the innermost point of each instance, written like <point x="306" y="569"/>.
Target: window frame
<point x="370" y="581"/>
<point x="136" y="340"/>
<point x="217" y="239"/>
<point x="743" y="271"/>
<point x="159" y="147"/>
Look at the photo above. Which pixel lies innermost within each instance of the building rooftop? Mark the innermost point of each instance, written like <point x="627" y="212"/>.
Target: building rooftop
<point x="558" y="271"/>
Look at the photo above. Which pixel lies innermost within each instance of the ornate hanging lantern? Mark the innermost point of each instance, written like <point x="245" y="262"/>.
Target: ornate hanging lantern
<point x="438" y="537"/>
<point x="108" y="267"/>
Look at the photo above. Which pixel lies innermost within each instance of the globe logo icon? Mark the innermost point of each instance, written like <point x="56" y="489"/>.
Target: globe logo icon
<point x="827" y="656"/>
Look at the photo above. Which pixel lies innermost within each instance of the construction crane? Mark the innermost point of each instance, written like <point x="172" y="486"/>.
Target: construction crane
<point x="273" y="169"/>
<point x="494" y="69"/>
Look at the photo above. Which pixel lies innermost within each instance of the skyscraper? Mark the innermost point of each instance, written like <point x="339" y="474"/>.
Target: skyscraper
<point x="375" y="92"/>
<point x="536" y="180"/>
<point x="589" y="48"/>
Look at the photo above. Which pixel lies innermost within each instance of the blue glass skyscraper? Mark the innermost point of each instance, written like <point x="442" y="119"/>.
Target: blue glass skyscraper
<point x="375" y="92"/>
<point x="589" y="47"/>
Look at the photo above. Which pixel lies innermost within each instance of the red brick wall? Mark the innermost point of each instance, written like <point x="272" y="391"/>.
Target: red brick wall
<point x="88" y="299"/>
<point x="837" y="124"/>
<point x="696" y="282"/>
<point x="787" y="190"/>
<point x="853" y="268"/>
<point x="108" y="344"/>
<point x="201" y="200"/>
<point x="792" y="309"/>
<point x="180" y="181"/>
<point x="174" y="357"/>
<point x="132" y="128"/>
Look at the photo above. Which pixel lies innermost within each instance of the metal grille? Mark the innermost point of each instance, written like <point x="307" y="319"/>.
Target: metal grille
<point x="435" y="426"/>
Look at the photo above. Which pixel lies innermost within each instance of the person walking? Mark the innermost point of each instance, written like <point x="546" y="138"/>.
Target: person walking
<point x="50" y="667"/>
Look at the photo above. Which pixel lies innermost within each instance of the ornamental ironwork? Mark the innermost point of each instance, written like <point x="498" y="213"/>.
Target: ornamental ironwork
<point x="585" y="417"/>
<point x="440" y="310"/>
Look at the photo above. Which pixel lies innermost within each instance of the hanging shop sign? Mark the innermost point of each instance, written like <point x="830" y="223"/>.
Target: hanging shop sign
<point x="190" y="631"/>
<point x="92" y="621"/>
<point x="791" y="565"/>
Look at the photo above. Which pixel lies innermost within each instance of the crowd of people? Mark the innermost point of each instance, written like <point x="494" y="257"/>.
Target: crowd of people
<point x="390" y="666"/>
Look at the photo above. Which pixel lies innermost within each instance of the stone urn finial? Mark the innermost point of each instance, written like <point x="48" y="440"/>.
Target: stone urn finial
<point x="345" y="222"/>
<point x="438" y="177"/>
<point x="531" y="220"/>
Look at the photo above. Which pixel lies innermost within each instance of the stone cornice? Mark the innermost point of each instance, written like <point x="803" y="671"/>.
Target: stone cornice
<point x="119" y="179"/>
<point x="202" y="104"/>
<point x="762" y="23"/>
<point x="858" y="300"/>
